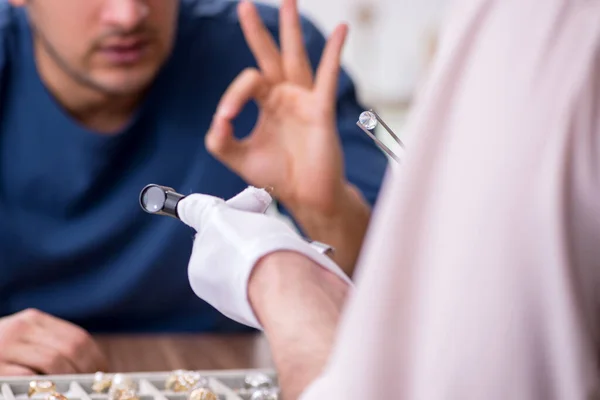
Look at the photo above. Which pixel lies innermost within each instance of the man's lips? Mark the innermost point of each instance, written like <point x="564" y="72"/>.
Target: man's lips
<point x="124" y="52"/>
<point x="125" y="42"/>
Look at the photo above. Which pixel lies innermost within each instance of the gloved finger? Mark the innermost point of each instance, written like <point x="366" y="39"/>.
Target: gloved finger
<point x="252" y="199"/>
<point x="194" y="209"/>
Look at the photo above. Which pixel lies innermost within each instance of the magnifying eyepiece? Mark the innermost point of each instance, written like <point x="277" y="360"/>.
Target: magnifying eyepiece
<point x="160" y="200"/>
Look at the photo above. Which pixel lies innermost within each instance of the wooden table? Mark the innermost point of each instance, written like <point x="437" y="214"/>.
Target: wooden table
<point x="194" y="352"/>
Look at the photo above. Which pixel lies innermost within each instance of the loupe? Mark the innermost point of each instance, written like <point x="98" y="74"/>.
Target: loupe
<point x="160" y="200"/>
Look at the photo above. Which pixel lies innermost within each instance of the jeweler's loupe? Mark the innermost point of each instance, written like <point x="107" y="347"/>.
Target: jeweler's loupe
<point x="368" y="121"/>
<point x="160" y="200"/>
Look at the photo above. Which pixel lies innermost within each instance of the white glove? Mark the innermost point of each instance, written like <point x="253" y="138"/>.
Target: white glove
<point x="229" y="243"/>
<point x="252" y="200"/>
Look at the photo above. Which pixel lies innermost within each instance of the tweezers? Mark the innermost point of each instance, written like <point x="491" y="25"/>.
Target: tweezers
<point x="389" y="130"/>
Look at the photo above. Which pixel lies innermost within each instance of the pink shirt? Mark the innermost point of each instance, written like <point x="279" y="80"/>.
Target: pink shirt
<point x="480" y="278"/>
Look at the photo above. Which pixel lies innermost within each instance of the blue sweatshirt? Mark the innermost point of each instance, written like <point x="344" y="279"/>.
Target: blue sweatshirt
<point x="73" y="239"/>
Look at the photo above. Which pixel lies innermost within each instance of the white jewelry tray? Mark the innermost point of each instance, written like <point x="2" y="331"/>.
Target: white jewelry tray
<point x="226" y="384"/>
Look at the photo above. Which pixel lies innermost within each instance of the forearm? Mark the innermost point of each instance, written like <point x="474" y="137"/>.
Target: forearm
<point x="299" y="305"/>
<point x="344" y="228"/>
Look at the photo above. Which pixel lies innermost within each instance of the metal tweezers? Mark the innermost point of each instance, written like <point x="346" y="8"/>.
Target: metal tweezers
<point x="379" y="143"/>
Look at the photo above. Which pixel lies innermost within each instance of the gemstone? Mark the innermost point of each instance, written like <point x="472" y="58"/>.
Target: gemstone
<point x="102" y="382"/>
<point x="182" y="381"/>
<point x="368" y="120"/>
<point x="202" y="393"/>
<point x="122" y="381"/>
<point x="122" y="394"/>
<point x="266" y="394"/>
<point x="257" y="380"/>
<point x="40" y="387"/>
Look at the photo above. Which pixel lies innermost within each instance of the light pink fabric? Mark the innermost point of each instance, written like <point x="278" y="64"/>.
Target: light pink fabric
<point x="480" y="279"/>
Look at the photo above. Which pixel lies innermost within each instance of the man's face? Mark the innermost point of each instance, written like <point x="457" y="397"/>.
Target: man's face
<point x="113" y="46"/>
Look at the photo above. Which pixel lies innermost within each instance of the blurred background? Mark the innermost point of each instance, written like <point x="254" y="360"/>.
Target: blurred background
<point x="390" y="46"/>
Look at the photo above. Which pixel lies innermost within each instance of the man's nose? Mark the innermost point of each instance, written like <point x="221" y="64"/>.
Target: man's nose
<point x="125" y="14"/>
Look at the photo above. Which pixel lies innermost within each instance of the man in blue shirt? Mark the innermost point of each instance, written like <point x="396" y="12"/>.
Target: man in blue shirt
<point x="99" y="98"/>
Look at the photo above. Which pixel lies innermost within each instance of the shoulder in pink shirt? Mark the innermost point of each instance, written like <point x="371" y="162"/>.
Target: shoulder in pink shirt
<point x="481" y="274"/>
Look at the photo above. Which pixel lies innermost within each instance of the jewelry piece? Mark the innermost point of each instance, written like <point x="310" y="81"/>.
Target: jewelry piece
<point x="367" y="121"/>
<point x="41" y="387"/>
<point x="265" y="394"/>
<point x="257" y="381"/>
<point x="183" y="380"/>
<point x="102" y="382"/>
<point x="56" y="396"/>
<point x="202" y="393"/>
<point x="122" y="381"/>
<point x="122" y="387"/>
<point x="122" y="394"/>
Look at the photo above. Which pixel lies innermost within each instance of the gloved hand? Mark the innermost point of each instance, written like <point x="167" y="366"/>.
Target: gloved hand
<point x="229" y="243"/>
<point x="252" y="199"/>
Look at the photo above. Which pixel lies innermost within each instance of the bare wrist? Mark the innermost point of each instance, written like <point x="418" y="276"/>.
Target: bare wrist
<point x="299" y="304"/>
<point x="341" y="196"/>
<point x="342" y="227"/>
<point x="286" y="277"/>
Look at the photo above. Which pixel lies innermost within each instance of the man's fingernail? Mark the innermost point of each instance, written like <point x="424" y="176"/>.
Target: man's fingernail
<point x="224" y="112"/>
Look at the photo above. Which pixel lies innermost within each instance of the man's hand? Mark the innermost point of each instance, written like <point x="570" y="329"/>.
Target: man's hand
<point x="32" y="342"/>
<point x="294" y="147"/>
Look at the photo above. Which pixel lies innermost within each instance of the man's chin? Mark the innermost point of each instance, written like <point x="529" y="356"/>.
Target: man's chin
<point x="123" y="83"/>
<point x="122" y="88"/>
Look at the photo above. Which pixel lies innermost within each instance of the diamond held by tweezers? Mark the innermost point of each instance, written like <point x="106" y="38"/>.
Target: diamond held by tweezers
<point x="368" y="120"/>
